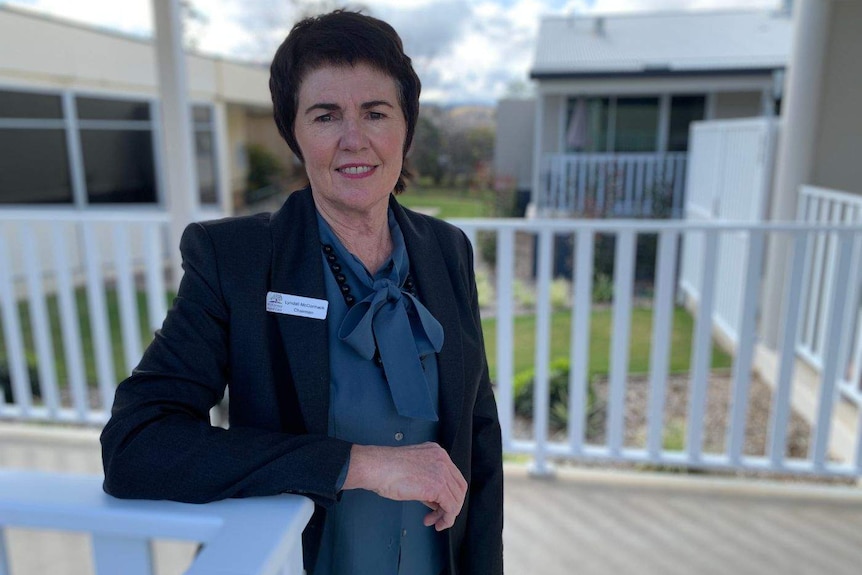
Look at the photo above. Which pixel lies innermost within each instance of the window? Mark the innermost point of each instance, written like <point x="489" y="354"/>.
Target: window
<point x="117" y="148"/>
<point x="112" y="150"/>
<point x="205" y="154"/>
<point x="683" y="111"/>
<point x="636" y="125"/>
<point x="34" y="159"/>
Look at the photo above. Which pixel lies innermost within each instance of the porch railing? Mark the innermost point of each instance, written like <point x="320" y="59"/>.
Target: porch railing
<point x="622" y="185"/>
<point x="258" y="536"/>
<point x="76" y="385"/>
<point x="822" y="206"/>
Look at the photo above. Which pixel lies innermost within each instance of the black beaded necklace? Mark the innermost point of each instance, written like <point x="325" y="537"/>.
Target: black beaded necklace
<point x="341" y="279"/>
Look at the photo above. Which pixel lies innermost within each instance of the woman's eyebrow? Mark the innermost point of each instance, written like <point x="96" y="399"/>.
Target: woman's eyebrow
<point x="375" y="103"/>
<point x="323" y="106"/>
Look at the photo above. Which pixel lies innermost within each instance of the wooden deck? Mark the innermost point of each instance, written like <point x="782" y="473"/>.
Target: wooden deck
<point x="581" y="521"/>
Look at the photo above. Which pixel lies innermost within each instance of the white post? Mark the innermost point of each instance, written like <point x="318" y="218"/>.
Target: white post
<point x="178" y="149"/>
<point x="797" y="144"/>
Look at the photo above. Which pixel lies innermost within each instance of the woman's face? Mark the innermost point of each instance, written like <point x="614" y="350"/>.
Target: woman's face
<point x="351" y="130"/>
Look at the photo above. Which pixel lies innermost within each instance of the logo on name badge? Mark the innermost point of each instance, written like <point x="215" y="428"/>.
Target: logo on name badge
<point x="296" y="305"/>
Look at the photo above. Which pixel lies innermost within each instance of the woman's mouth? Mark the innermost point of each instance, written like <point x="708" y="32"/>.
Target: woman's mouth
<point x="355" y="170"/>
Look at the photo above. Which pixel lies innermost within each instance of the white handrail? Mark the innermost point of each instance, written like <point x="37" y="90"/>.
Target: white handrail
<point x="256" y="536"/>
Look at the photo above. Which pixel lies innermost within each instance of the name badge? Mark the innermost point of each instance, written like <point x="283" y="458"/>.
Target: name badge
<point x="296" y="305"/>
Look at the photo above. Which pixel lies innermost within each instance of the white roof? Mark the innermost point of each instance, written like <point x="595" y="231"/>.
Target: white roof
<point x="662" y="42"/>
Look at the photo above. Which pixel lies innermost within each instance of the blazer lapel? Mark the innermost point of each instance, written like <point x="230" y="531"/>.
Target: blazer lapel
<point x="297" y="269"/>
<point x="431" y="275"/>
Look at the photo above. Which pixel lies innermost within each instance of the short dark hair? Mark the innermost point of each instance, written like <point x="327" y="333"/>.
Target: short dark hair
<point x="341" y="38"/>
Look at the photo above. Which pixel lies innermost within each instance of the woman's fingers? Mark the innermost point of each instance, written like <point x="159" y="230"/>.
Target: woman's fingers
<point x="422" y="472"/>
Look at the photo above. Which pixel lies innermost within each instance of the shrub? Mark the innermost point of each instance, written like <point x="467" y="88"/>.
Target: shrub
<point x="558" y="411"/>
<point x="561" y="290"/>
<point x="485" y="289"/>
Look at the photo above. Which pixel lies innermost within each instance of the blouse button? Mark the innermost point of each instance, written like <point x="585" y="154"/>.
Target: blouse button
<point x="399" y="436"/>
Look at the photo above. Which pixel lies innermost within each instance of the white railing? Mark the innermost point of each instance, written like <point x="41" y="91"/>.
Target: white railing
<point x="822" y="457"/>
<point x="613" y="185"/>
<point x="818" y="205"/>
<point x="67" y="398"/>
<point x="257" y="536"/>
<point x="89" y="267"/>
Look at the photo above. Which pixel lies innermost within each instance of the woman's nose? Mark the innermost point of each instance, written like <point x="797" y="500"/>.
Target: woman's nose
<point x="353" y="138"/>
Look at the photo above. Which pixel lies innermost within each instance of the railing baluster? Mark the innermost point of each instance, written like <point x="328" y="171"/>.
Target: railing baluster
<point x="505" y="331"/>
<point x="130" y="325"/>
<point x="40" y="324"/>
<point x="745" y="347"/>
<point x="660" y="351"/>
<point x="837" y="298"/>
<point x="702" y="349"/>
<point x="792" y="314"/>
<point x="579" y="364"/>
<point x="156" y="308"/>
<point x="828" y="274"/>
<point x="624" y="259"/>
<point x="541" y="385"/>
<point x="70" y="323"/>
<point x="15" y="353"/>
<point x="98" y="313"/>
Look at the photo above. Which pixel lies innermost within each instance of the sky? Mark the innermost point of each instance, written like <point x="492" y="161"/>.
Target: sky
<point x="465" y="51"/>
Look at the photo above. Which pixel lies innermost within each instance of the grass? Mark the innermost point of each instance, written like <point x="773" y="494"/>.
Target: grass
<point x="600" y="339"/>
<point x="86" y="334"/>
<point x="451" y="203"/>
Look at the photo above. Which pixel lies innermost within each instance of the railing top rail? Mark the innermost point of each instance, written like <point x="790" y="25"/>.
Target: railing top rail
<point x="829" y="194"/>
<point x="617" y="155"/>
<point x="47" y="215"/>
<point x="645" y="225"/>
<point x="244" y="534"/>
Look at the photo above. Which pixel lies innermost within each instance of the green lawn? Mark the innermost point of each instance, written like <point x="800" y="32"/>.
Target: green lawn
<point x="451" y="203"/>
<point x="524" y="346"/>
<point x="600" y="337"/>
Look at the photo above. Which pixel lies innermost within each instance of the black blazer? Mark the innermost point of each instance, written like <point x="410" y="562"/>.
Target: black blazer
<point x="159" y="443"/>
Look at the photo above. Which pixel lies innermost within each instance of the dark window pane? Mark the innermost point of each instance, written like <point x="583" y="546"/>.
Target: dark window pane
<point x="683" y="111"/>
<point x="34" y="167"/>
<point x="119" y="166"/>
<point x="636" y="125"/>
<point x="201" y="114"/>
<point x="102" y="109"/>
<point x="206" y="167"/>
<point x="29" y="105"/>
<point x="587" y="126"/>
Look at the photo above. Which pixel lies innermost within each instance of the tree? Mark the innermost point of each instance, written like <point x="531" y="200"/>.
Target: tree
<point x="426" y="151"/>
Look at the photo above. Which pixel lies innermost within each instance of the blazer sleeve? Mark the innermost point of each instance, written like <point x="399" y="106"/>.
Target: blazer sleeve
<point x="159" y="443"/>
<point x="483" y="545"/>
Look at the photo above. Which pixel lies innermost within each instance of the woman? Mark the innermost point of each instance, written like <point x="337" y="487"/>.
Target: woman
<point x="348" y="331"/>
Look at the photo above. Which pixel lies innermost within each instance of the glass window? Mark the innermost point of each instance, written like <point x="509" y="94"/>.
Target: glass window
<point x="34" y="168"/>
<point x="103" y="109"/>
<point x="587" y="126"/>
<point x="636" y="125"/>
<point x="206" y="167"/>
<point x="119" y="166"/>
<point x="683" y="111"/>
<point x="29" y="105"/>
<point x="205" y="158"/>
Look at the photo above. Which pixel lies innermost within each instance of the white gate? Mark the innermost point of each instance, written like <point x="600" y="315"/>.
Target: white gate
<point x="729" y="179"/>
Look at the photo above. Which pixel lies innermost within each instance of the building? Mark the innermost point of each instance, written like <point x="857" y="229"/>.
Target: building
<point x="80" y="119"/>
<point x="616" y="96"/>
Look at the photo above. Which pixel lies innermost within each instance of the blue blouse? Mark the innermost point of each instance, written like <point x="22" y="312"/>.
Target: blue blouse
<point x="364" y="533"/>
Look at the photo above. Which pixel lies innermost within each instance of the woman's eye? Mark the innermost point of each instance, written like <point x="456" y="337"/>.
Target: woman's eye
<point x="376" y="115"/>
<point x="324" y="118"/>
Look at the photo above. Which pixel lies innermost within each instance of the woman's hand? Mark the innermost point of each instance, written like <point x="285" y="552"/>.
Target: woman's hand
<point x="421" y="472"/>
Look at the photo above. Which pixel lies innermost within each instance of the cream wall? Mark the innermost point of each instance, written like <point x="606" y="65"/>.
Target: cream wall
<point x="837" y="162"/>
<point x="738" y="105"/>
<point x="236" y="154"/>
<point x="37" y="51"/>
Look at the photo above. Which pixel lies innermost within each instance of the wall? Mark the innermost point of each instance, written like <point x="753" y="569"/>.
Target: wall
<point x="737" y="105"/>
<point x="513" y="142"/>
<point x="839" y="139"/>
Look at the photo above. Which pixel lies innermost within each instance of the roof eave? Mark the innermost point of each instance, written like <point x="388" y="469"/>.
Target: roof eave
<point x="651" y="73"/>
